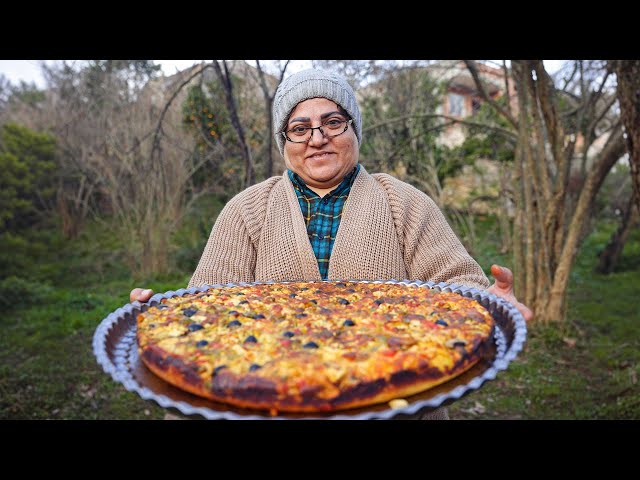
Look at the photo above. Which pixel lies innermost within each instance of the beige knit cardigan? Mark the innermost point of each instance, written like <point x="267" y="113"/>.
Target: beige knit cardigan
<point x="389" y="230"/>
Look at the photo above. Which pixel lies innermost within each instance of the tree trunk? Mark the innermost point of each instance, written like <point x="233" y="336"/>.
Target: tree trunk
<point x="227" y="87"/>
<point x="268" y="102"/>
<point x="555" y="309"/>
<point x="525" y="104"/>
<point x="71" y="223"/>
<point x="504" y="204"/>
<point x="611" y="254"/>
<point x="628" y="93"/>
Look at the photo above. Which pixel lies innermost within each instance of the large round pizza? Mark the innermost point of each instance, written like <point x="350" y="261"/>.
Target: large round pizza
<point x="313" y="346"/>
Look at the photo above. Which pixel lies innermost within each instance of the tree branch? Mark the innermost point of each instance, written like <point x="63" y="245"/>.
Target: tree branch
<point x="504" y="131"/>
<point x="594" y="123"/>
<point x="473" y="69"/>
<point x="156" y="136"/>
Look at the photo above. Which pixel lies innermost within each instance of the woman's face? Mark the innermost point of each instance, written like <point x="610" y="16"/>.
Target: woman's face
<point x="321" y="162"/>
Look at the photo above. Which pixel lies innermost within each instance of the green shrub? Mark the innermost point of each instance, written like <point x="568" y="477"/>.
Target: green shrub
<point x="18" y="292"/>
<point x="27" y="180"/>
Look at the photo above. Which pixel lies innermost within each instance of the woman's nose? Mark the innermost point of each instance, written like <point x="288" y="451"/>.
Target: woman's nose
<point x="318" y="139"/>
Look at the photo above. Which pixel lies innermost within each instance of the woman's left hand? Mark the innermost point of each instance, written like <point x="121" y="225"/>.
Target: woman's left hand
<point x="503" y="287"/>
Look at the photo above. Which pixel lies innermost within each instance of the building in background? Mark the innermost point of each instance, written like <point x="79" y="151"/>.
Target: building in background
<point x="462" y="98"/>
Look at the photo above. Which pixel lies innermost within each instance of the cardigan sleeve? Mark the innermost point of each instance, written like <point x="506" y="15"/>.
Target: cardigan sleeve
<point x="431" y="250"/>
<point x="229" y="255"/>
<point x="435" y="252"/>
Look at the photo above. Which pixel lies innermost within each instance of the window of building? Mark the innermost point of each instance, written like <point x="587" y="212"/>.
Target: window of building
<point x="456" y="105"/>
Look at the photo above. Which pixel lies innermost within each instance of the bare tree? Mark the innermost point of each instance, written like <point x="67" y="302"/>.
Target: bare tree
<point x="124" y="156"/>
<point x="269" y="93"/>
<point x="124" y="153"/>
<point x="226" y="81"/>
<point x="555" y="185"/>
<point x="609" y="256"/>
<point x="64" y="113"/>
<point x="628" y="93"/>
<point x="359" y="73"/>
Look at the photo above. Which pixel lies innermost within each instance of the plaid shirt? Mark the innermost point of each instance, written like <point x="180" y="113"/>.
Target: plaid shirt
<point x="322" y="215"/>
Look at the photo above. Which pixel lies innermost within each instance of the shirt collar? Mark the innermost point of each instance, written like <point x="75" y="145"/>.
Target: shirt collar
<point x="345" y="185"/>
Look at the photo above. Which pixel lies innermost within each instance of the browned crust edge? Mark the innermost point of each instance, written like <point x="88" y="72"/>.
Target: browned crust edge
<point x="252" y="391"/>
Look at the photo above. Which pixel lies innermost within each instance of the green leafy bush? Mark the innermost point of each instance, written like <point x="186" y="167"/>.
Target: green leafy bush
<point x="27" y="184"/>
<point x="20" y="292"/>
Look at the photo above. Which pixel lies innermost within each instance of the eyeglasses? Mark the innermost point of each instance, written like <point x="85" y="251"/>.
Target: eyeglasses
<point x="330" y="129"/>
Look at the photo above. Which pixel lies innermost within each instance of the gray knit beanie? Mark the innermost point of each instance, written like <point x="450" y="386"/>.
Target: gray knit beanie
<point x="312" y="84"/>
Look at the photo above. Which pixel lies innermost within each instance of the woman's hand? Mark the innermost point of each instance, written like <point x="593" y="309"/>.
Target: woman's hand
<point x="140" y="295"/>
<point x="503" y="287"/>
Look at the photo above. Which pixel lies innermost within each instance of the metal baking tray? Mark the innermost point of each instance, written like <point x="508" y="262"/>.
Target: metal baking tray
<point x="115" y="347"/>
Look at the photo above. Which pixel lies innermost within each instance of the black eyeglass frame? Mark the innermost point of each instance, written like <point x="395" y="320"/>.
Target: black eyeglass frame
<point x="311" y="129"/>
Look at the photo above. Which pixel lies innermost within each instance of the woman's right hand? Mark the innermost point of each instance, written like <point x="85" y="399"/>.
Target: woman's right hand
<point x="140" y="294"/>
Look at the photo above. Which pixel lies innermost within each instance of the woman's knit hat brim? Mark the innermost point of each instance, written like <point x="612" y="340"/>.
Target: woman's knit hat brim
<point x="308" y="84"/>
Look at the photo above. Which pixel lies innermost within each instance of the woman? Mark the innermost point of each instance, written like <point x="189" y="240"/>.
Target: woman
<point x="326" y="217"/>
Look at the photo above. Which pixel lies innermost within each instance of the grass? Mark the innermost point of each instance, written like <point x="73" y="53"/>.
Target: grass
<point x="47" y="366"/>
<point x="587" y="368"/>
<point x="584" y="369"/>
